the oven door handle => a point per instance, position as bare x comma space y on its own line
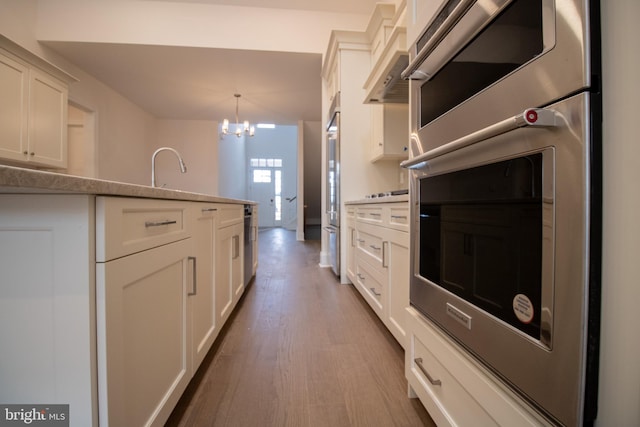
411, 72
535, 117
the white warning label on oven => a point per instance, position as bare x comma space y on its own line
523, 308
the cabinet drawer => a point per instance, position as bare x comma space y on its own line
369, 285
230, 214
127, 225
455, 389
370, 214
399, 217
370, 244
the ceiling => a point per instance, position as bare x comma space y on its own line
192, 83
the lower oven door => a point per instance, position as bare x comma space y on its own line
500, 250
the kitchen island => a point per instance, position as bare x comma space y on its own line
111, 293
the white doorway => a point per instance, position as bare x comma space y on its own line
265, 187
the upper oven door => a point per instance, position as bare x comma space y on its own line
483, 61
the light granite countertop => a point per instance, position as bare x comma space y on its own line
30, 181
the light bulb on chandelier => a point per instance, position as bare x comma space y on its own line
240, 128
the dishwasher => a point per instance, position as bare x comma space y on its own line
249, 242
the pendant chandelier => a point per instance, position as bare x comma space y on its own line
240, 127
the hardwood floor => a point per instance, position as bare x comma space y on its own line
300, 350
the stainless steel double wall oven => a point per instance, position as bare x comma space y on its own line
505, 192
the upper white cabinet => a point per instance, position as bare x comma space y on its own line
33, 108
389, 132
385, 90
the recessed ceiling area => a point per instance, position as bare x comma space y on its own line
198, 83
189, 83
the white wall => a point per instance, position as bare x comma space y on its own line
232, 172
619, 394
313, 171
197, 143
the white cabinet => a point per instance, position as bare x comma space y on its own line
379, 257
456, 390
229, 260
351, 242
108, 304
144, 274
47, 303
33, 109
202, 301
390, 132
254, 239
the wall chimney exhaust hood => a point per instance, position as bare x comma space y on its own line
384, 84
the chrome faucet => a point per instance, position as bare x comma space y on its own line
183, 167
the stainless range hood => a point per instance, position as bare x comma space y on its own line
384, 84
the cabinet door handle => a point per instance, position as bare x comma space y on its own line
385, 250
236, 246
374, 292
418, 362
195, 284
159, 223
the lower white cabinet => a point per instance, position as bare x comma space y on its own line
143, 348
454, 388
144, 277
109, 304
202, 298
229, 260
378, 260
47, 303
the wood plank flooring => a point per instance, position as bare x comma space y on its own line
300, 350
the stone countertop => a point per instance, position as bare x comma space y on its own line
18, 180
386, 199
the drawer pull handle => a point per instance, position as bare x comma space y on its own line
374, 292
236, 246
159, 223
418, 362
399, 216
209, 209
360, 240
195, 288
385, 251
360, 276
374, 214
375, 248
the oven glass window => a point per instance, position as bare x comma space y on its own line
511, 40
481, 238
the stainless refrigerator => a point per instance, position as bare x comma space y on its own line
333, 184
